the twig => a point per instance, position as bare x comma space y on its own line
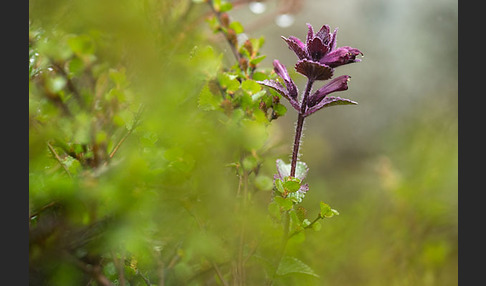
119, 268
308, 226
93, 270
69, 83
234, 48
145, 279
58, 159
49, 205
135, 123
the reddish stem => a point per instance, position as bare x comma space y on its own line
299, 127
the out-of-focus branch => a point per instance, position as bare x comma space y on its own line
59, 160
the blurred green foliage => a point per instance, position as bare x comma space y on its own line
152, 162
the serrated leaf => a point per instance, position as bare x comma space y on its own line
329, 101
251, 86
279, 185
289, 265
284, 203
327, 211
292, 185
283, 169
207, 100
237, 27
229, 82
301, 170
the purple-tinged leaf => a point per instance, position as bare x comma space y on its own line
278, 87
314, 70
327, 102
283, 169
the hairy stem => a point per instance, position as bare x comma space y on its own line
299, 126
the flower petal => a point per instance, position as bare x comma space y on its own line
341, 56
338, 84
296, 46
281, 71
316, 49
324, 34
310, 33
314, 70
333, 41
329, 101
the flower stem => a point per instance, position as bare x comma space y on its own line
299, 126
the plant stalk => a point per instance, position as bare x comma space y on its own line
299, 126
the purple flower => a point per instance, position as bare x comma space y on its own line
290, 91
337, 84
319, 55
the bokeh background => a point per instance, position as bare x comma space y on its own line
389, 165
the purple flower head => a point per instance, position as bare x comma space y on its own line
320, 53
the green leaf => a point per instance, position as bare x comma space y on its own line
258, 95
207, 100
229, 82
289, 265
263, 183
280, 109
274, 210
237, 27
279, 186
81, 44
286, 204
292, 184
327, 211
251, 86
76, 66
257, 60
225, 6
260, 76
249, 163
316, 226
257, 43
